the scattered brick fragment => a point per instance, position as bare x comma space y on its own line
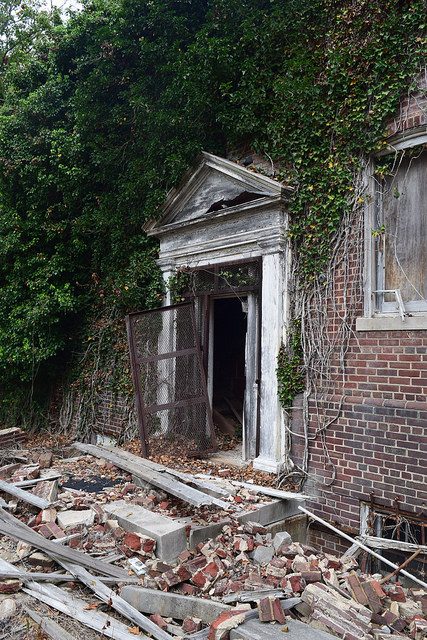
159, 621
270, 610
228, 620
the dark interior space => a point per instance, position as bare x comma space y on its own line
230, 324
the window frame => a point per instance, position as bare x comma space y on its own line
390, 314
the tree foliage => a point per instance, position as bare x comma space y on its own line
101, 114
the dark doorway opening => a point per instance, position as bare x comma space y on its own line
229, 370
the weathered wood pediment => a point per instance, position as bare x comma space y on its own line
213, 185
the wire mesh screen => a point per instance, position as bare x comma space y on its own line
238, 277
170, 386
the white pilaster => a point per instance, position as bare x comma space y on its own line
271, 427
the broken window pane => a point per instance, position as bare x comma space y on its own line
404, 215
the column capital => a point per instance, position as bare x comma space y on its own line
275, 244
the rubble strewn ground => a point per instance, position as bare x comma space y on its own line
247, 572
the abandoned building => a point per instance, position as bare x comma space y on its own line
359, 444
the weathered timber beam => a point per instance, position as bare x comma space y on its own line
385, 543
104, 624
188, 478
49, 627
270, 491
23, 484
25, 576
20, 494
111, 598
169, 484
14, 528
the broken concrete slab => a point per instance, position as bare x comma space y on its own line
71, 519
280, 538
255, 630
263, 555
270, 512
172, 605
169, 535
202, 533
296, 526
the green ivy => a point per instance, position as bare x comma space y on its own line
103, 113
290, 371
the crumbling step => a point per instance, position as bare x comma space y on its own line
271, 512
172, 605
274, 515
169, 535
255, 630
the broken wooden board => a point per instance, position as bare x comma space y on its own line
14, 528
188, 478
20, 494
79, 610
271, 491
24, 484
253, 596
160, 480
49, 627
385, 543
113, 600
25, 576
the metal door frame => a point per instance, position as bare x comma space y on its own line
141, 409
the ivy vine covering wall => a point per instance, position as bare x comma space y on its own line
104, 112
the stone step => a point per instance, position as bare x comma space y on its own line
169, 535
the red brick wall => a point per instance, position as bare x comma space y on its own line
327, 541
412, 108
378, 443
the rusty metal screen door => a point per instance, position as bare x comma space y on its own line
172, 404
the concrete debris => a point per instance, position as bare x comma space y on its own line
7, 609
263, 555
71, 519
200, 571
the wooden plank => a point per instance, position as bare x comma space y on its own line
253, 596
23, 484
162, 481
113, 600
20, 494
207, 487
26, 576
77, 609
14, 528
185, 477
385, 543
169, 476
49, 627
271, 491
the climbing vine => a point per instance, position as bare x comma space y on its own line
106, 111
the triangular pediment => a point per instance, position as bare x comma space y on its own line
213, 185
